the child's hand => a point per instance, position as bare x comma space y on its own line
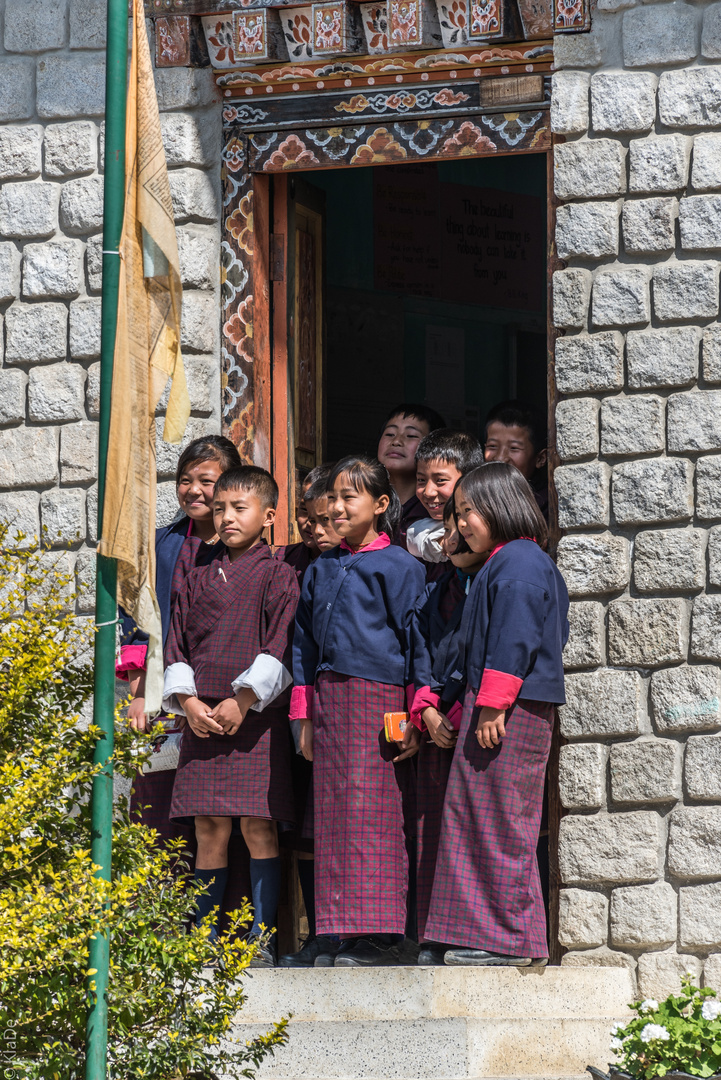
231, 712
306, 739
411, 743
440, 728
136, 714
199, 717
491, 727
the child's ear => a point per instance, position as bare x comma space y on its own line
269, 517
382, 504
542, 458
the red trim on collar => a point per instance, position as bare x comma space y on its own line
381, 541
499, 546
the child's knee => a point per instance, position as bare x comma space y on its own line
212, 830
261, 836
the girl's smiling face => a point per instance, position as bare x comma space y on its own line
355, 513
466, 560
472, 527
195, 489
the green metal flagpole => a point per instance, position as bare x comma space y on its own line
105, 589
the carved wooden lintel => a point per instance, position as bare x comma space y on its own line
180, 42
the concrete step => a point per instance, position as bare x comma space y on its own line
437, 1023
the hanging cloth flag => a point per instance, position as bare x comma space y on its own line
147, 354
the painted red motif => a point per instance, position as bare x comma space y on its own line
379, 147
172, 41
239, 329
375, 27
404, 19
485, 17
454, 22
468, 141
250, 33
328, 28
569, 14
219, 36
291, 154
448, 97
298, 30
240, 223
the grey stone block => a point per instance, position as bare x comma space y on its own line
646, 771
694, 421
708, 487
667, 357
81, 205
582, 495
590, 362
20, 152
28, 210
686, 699
711, 33
659, 35
584, 647
200, 322
577, 428
582, 918
623, 101
621, 297
700, 916
34, 25
587, 230
647, 633
56, 392
85, 328
702, 767
68, 87
582, 776
191, 138
580, 50
36, 333
686, 290
17, 88
85, 580
705, 623
91, 510
710, 353
28, 457
21, 511
694, 842
643, 916
660, 974
203, 377
78, 452
12, 396
167, 500
87, 24
706, 169
9, 271
601, 704
62, 513
167, 454
589, 169
92, 391
714, 555
94, 263
613, 848
699, 219
571, 293
194, 195
199, 258
632, 425
569, 102
690, 98
52, 269
71, 149
600, 958
185, 88
649, 225
670, 560
652, 490
712, 970
595, 564
659, 163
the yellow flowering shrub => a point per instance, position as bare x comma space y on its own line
173, 992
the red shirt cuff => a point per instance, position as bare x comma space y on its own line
301, 703
498, 689
132, 658
455, 714
422, 698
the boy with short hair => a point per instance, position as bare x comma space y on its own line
403, 430
442, 458
302, 554
227, 672
517, 433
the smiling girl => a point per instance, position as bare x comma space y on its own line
350, 667
486, 904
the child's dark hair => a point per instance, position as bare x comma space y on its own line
420, 412
457, 448
449, 514
367, 474
502, 496
521, 414
316, 482
208, 448
250, 478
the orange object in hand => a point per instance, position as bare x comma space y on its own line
395, 724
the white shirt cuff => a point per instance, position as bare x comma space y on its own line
267, 678
423, 540
179, 679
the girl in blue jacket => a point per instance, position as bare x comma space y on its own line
486, 904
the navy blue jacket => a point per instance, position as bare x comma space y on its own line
436, 643
354, 614
515, 625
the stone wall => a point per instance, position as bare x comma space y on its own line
52, 90
638, 368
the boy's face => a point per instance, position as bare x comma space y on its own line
239, 518
195, 488
301, 520
321, 524
399, 442
513, 445
435, 481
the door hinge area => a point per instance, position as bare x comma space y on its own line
277, 257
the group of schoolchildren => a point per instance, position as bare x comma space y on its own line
379, 696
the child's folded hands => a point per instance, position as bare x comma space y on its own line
200, 717
231, 712
440, 728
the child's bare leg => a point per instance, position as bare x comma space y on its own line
261, 836
211, 863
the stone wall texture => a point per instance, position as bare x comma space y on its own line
52, 90
637, 103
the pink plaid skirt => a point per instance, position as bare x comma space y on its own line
434, 766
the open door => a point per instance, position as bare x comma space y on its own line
297, 246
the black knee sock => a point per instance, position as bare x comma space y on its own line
265, 886
214, 882
306, 875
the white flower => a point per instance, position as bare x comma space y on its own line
616, 1044
649, 1005
615, 1028
654, 1031
711, 1009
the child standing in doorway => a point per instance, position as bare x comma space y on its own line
517, 433
442, 458
403, 430
351, 666
486, 905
